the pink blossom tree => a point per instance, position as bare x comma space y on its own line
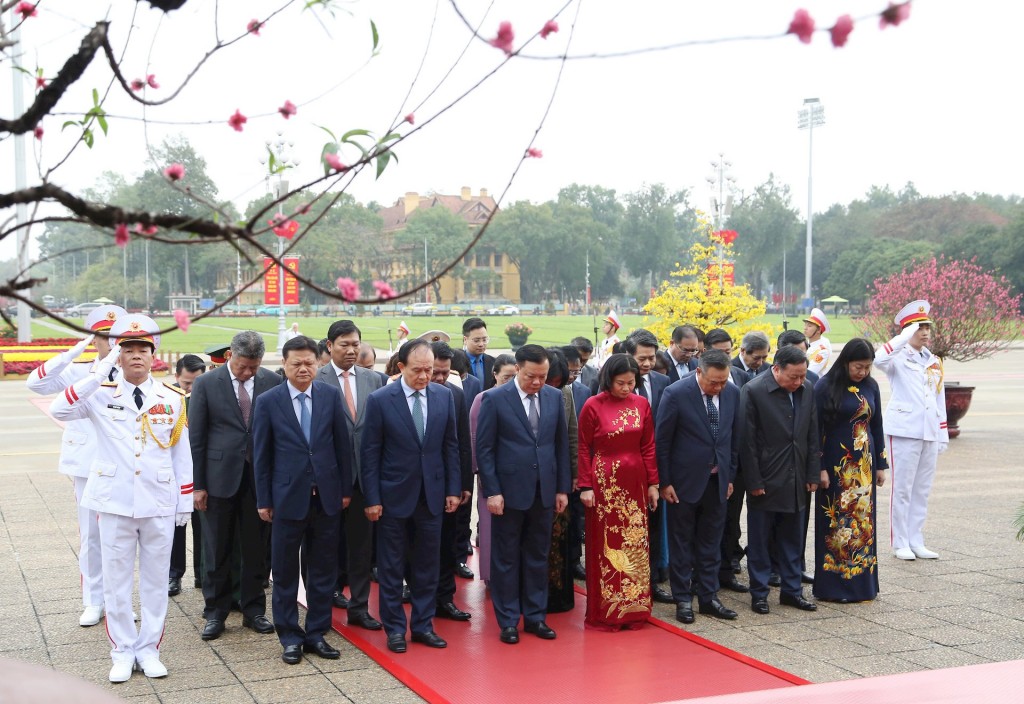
974, 312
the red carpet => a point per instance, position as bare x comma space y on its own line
654, 664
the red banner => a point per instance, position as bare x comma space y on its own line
727, 277
291, 284
271, 283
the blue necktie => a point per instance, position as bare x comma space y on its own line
417, 415
478, 367
305, 420
713, 417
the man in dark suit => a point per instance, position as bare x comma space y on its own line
577, 514
303, 468
451, 564
779, 456
754, 351
410, 472
474, 341
697, 440
220, 423
188, 368
522, 452
588, 372
355, 384
471, 386
682, 353
719, 339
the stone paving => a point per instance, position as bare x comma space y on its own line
965, 608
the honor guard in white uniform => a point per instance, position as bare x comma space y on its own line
140, 485
819, 349
77, 448
611, 338
915, 426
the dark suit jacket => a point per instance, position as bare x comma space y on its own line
488, 370
511, 460
396, 466
219, 439
287, 467
778, 454
366, 382
738, 363
673, 372
659, 382
471, 386
580, 394
739, 377
462, 430
686, 448
590, 377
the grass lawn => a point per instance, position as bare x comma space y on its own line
547, 329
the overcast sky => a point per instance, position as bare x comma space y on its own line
931, 101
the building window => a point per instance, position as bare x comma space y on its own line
483, 259
497, 261
497, 288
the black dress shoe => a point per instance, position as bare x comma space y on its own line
462, 569
340, 600
774, 580
429, 639
716, 609
807, 578
396, 643
578, 572
406, 594
759, 606
213, 628
510, 635
292, 654
364, 620
451, 611
173, 586
266, 584
661, 595
734, 585
540, 629
735, 564
684, 612
260, 624
797, 602
198, 584
321, 648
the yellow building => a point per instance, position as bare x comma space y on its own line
490, 275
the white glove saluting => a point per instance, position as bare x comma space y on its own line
76, 351
103, 367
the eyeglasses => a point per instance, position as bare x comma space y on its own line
479, 340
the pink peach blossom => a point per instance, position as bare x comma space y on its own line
237, 121
254, 27
384, 290
151, 81
550, 27
288, 109
138, 84
182, 320
40, 82
534, 153
841, 31
894, 14
349, 289
38, 132
121, 235
26, 10
146, 230
334, 161
175, 172
505, 38
802, 26
411, 118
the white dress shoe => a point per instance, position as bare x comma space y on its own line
905, 554
121, 671
924, 553
153, 668
90, 616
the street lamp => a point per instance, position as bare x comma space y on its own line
810, 116
283, 160
721, 205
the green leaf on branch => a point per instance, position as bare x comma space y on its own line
383, 159
333, 138
376, 36
329, 148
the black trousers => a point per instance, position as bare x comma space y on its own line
359, 550
463, 530
177, 570
731, 550
226, 517
695, 536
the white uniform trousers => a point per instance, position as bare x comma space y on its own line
89, 551
912, 466
122, 538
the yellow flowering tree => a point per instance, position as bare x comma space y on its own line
697, 294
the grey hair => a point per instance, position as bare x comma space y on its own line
755, 340
248, 344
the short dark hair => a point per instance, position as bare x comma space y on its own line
713, 337
190, 363
405, 350
683, 331
559, 368
298, 343
789, 355
531, 353
442, 350
640, 338
321, 347
791, 337
472, 324
714, 359
342, 327
460, 361
582, 344
615, 365
502, 361
570, 353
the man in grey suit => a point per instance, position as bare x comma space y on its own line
779, 453
355, 384
220, 431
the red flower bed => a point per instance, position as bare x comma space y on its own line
159, 365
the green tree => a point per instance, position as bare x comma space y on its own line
767, 224
444, 235
649, 228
